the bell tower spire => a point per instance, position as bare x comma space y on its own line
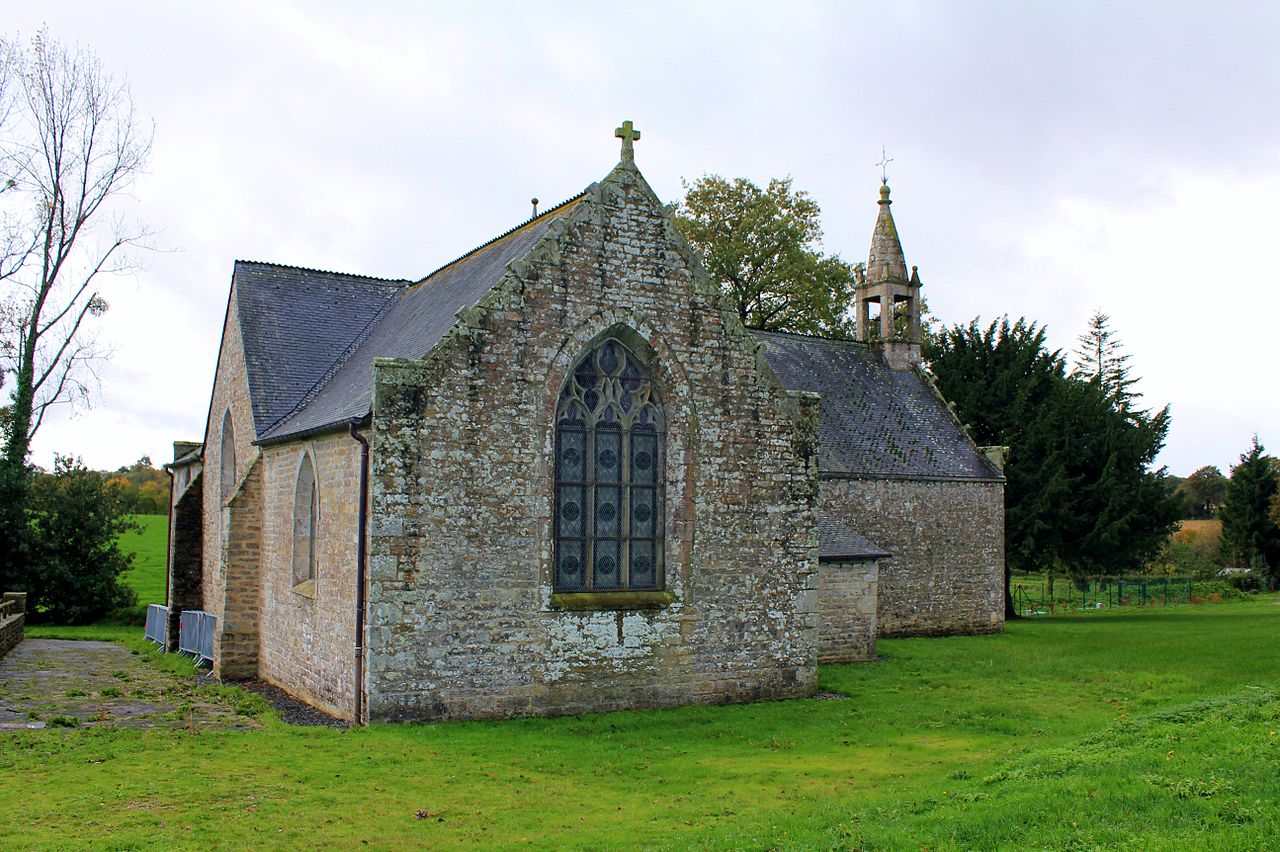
896, 332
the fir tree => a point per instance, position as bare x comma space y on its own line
1100, 357
1250, 534
1081, 494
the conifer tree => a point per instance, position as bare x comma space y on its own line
1100, 357
1081, 491
1250, 533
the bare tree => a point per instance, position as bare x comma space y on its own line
70, 144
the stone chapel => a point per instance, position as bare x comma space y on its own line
557, 475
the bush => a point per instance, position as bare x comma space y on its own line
1185, 554
74, 561
1245, 582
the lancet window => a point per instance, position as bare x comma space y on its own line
306, 514
227, 454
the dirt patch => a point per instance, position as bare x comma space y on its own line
66, 683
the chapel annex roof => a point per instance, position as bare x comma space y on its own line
414, 319
836, 542
293, 324
874, 422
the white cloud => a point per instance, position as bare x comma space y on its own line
1050, 160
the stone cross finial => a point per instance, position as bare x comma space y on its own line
628, 134
885, 160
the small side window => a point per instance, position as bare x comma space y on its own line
306, 515
228, 458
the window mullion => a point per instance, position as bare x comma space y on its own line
624, 523
589, 519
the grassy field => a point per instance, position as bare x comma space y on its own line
1151, 729
150, 547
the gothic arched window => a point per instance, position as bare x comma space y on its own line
306, 512
227, 458
608, 475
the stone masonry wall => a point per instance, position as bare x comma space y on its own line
235, 644
307, 633
186, 518
946, 574
461, 622
230, 392
847, 611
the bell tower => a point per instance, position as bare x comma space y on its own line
895, 332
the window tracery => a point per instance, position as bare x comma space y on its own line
608, 502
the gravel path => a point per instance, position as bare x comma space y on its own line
291, 709
65, 683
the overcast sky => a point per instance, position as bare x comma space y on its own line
1050, 160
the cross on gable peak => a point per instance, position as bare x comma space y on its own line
629, 135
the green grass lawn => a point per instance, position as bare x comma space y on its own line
150, 547
1151, 729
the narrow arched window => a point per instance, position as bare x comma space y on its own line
306, 513
609, 431
228, 457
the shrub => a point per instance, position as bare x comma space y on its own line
1185, 554
74, 561
62, 722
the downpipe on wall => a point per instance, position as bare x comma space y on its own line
362, 524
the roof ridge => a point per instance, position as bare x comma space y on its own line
272, 263
504, 234
341, 360
841, 340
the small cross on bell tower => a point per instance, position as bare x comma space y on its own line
896, 332
629, 136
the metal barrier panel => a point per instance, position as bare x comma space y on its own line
187, 631
196, 630
207, 626
157, 619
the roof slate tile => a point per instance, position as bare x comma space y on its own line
874, 421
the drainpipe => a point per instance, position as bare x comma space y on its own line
361, 527
168, 561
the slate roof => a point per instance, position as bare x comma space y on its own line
294, 323
836, 541
874, 422
414, 320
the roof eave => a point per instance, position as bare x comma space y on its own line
313, 431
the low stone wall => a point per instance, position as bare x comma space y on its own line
13, 620
847, 598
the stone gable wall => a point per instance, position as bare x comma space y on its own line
847, 610
461, 622
946, 575
307, 635
230, 390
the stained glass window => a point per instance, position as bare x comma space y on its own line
608, 500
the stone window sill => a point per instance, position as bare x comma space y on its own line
610, 601
306, 590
